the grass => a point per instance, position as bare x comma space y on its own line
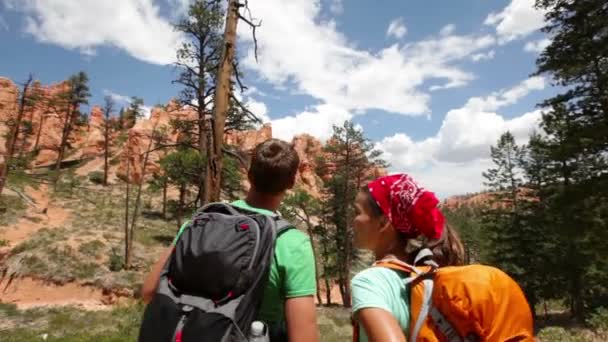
70, 324
11, 209
91, 248
120, 324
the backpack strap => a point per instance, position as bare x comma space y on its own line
427, 308
219, 206
282, 225
416, 274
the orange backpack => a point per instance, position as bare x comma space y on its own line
462, 303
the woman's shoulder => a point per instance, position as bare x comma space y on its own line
379, 275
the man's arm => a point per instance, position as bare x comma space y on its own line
301, 317
151, 281
380, 325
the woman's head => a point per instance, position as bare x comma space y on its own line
393, 210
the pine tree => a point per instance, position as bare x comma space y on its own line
198, 59
107, 112
76, 95
513, 238
351, 156
576, 141
182, 169
133, 112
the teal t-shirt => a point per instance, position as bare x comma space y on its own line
382, 288
292, 274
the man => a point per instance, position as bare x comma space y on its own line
288, 304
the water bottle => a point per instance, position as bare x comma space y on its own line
258, 332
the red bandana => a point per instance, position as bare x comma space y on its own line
411, 209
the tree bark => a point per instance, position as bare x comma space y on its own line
138, 198
180, 204
106, 144
327, 290
127, 251
221, 99
165, 199
67, 128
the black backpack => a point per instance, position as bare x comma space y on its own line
212, 285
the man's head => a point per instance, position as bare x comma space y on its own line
273, 168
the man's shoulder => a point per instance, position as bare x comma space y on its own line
292, 236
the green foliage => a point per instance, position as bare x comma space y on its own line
574, 150
183, 167
515, 240
115, 262
91, 248
96, 177
468, 223
231, 179
598, 320
71, 324
351, 156
11, 208
133, 112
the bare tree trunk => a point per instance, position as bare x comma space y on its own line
221, 99
203, 148
14, 135
39, 132
135, 213
127, 251
106, 148
309, 230
328, 290
314, 254
67, 128
180, 205
203, 141
165, 199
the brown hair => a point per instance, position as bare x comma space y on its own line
274, 165
447, 250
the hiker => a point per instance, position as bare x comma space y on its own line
287, 304
400, 223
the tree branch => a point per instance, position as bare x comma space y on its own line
235, 66
251, 24
236, 155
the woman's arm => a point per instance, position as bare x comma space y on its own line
380, 325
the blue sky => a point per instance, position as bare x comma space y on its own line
433, 83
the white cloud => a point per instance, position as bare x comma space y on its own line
452, 160
336, 7
126, 100
537, 46
258, 108
519, 19
448, 179
483, 56
316, 121
322, 62
447, 30
134, 26
396, 28
123, 99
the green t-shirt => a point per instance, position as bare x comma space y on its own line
292, 274
382, 288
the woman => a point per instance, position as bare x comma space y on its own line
392, 212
